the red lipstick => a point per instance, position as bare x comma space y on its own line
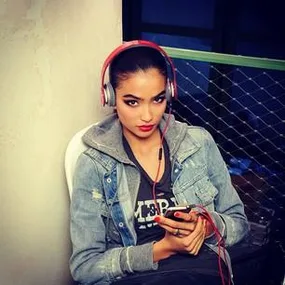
146, 128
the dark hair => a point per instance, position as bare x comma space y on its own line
133, 60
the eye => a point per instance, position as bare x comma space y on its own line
159, 99
131, 103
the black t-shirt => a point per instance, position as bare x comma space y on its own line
147, 230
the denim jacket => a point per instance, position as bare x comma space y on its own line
106, 185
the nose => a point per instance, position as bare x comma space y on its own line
146, 114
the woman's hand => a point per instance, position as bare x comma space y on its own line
182, 228
189, 240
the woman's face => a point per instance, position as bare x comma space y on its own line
141, 102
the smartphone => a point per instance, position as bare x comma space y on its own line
171, 210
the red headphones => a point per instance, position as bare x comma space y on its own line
107, 91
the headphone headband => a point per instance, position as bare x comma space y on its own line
105, 94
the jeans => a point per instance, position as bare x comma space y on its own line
181, 269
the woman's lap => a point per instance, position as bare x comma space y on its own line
182, 268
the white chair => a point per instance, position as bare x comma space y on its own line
74, 148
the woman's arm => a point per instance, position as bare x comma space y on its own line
228, 211
91, 261
229, 215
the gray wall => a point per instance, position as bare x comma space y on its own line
51, 52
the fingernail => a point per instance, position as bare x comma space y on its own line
156, 219
176, 214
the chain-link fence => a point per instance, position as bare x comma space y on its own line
240, 101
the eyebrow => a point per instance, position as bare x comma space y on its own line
131, 96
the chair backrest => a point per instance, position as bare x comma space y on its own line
74, 148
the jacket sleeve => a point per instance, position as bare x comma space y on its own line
91, 261
229, 216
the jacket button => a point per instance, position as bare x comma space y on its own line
175, 170
121, 224
109, 180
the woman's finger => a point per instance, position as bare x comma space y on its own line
196, 234
188, 217
199, 245
197, 242
180, 232
196, 249
162, 221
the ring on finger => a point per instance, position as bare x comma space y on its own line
177, 232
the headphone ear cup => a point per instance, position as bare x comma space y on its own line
169, 91
110, 97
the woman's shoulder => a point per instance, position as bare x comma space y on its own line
194, 131
104, 142
198, 131
197, 135
105, 134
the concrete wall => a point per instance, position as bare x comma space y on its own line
51, 52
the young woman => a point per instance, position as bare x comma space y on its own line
140, 161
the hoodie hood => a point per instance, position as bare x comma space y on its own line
106, 136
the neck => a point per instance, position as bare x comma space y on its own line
142, 145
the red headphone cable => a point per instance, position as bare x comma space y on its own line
159, 160
221, 244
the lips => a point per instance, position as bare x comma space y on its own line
146, 128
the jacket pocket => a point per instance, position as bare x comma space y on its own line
205, 193
112, 234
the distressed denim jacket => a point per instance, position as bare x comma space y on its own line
106, 184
